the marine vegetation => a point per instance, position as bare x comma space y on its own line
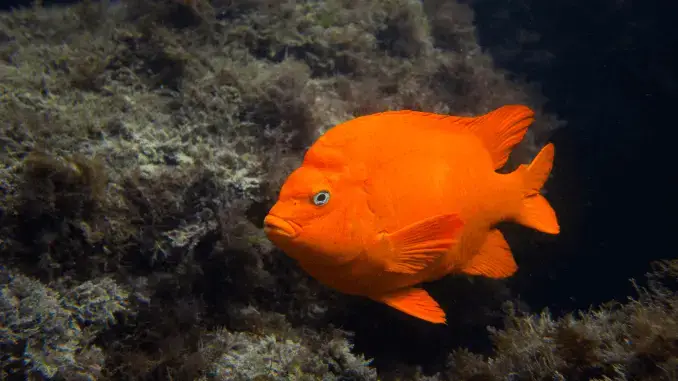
143, 143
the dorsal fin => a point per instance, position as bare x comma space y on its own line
501, 130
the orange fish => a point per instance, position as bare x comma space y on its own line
384, 202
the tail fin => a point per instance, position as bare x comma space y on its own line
536, 212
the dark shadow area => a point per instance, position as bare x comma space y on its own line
611, 73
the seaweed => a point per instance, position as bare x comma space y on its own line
142, 143
617, 341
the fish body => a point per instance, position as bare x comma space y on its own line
384, 202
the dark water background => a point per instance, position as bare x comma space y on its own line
614, 77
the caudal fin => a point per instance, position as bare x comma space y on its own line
536, 212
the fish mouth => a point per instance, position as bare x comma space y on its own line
274, 225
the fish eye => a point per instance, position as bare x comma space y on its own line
321, 198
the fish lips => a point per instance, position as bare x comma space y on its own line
276, 226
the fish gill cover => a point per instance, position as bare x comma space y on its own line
143, 142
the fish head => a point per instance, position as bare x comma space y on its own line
308, 221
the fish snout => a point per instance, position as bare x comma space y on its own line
274, 225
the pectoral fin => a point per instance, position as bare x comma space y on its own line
414, 247
416, 302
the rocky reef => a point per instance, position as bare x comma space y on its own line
143, 141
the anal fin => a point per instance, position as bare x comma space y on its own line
416, 302
494, 259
